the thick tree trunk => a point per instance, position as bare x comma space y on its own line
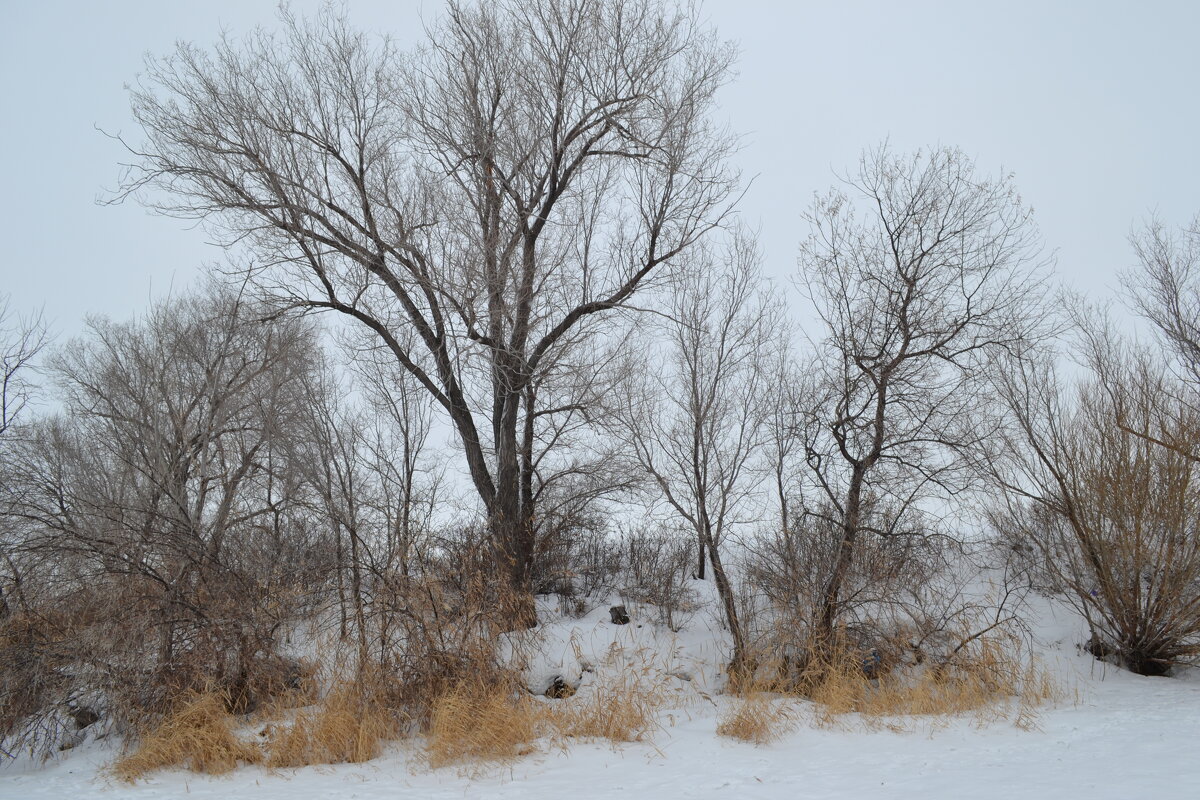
510, 523
514, 553
831, 597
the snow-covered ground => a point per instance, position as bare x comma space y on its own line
1116, 735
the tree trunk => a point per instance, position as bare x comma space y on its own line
360, 617
340, 558
830, 601
510, 524
737, 662
514, 551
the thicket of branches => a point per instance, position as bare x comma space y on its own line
523, 229
1100, 485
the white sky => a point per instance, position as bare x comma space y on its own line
1093, 106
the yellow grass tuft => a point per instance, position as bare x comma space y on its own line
197, 735
985, 678
482, 721
757, 718
349, 726
477, 721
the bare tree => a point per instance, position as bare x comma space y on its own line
375, 487
493, 194
1166, 290
923, 273
21, 339
784, 445
167, 486
697, 424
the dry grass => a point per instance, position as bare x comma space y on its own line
349, 726
986, 678
282, 704
623, 709
196, 735
478, 721
756, 717
489, 720
492, 718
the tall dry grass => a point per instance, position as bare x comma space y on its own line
989, 677
985, 678
623, 708
477, 721
350, 725
197, 735
488, 720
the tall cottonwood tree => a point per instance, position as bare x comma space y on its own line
924, 275
493, 193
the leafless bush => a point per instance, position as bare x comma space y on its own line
790, 570
907, 600
658, 564
1105, 492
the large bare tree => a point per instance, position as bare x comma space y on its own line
493, 193
923, 274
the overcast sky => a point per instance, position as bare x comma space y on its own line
1092, 105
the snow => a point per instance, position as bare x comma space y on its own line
1117, 735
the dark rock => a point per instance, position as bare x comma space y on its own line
559, 689
84, 717
618, 615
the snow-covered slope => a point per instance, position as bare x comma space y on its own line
1116, 735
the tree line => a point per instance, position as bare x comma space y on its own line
521, 238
